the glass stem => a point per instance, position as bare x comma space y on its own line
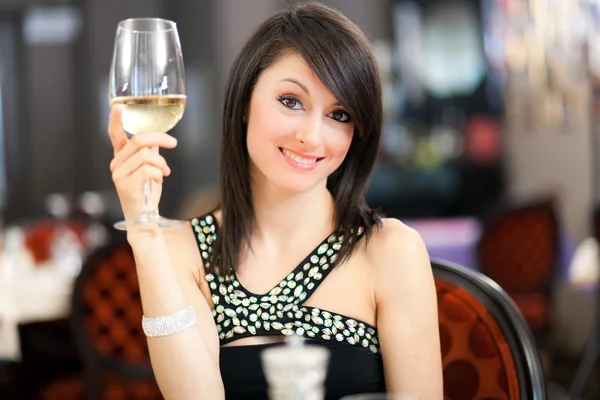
148, 207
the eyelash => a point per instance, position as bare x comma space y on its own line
286, 98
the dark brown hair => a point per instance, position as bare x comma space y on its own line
340, 55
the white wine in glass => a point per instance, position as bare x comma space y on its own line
147, 81
142, 114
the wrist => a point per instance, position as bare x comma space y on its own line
146, 235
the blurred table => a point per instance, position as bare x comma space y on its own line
42, 293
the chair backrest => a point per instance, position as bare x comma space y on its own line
519, 249
519, 246
106, 320
488, 351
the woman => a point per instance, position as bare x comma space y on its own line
293, 247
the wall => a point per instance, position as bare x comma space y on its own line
560, 162
554, 162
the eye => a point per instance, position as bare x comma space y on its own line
340, 116
291, 102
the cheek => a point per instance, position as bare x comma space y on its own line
260, 130
338, 144
266, 125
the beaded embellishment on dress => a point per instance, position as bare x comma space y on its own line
238, 313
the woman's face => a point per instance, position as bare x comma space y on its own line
297, 133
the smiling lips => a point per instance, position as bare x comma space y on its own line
299, 160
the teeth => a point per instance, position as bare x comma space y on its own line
298, 159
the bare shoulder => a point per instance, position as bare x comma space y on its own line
393, 230
406, 301
395, 243
218, 216
180, 236
397, 255
184, 251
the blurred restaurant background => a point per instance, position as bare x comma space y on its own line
490, 150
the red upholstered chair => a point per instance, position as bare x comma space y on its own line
106, 322
488, 351
519, 249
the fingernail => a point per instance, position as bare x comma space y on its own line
173, 140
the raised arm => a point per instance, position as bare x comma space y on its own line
186, 364
407, 318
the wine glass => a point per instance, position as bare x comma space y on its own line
147, 80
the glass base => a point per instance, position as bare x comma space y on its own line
150, 219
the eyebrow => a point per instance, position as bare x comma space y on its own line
304, 88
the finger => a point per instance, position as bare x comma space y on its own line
147, 141
144, 156
141, 174
146, 171
117, 134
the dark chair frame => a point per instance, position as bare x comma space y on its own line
95, 363
511, 322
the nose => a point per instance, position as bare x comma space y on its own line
310, 131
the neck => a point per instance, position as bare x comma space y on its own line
281, 216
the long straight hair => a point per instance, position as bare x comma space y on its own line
340, 55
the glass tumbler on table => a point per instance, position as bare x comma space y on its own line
380, 396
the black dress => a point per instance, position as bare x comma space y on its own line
355, 364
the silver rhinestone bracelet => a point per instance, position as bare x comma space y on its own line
169, 324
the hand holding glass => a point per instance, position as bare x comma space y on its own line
147, 80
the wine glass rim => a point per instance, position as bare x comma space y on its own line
170, 25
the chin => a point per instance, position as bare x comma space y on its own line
294, 184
